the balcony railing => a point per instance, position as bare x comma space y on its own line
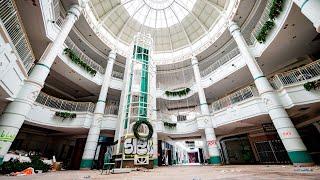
303, 73
112, 107
263, 19
118, 75
83, 56
220, 61
11, 19
235, 97
64, 105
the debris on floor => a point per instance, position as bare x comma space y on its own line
26, 172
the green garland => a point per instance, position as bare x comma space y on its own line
136, 127
66, 114
179, 93
170, 125
74, 58
313, 85
275, 10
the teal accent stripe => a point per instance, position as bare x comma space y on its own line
86, 163
1, 160
203, 104
40, 64
215, 160
300, 157
304, 3
155, 162
258, 77
101, 101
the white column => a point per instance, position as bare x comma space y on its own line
94, 132
209, 131
15, 113
153, 89
285, 128
122, 106
310, 8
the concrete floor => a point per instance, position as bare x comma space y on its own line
190, 173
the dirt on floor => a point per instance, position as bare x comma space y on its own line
189, 173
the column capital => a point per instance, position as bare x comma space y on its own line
194, 60
112, 55
233, 27
75, 10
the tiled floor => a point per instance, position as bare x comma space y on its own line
190, 173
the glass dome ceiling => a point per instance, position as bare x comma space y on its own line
178, 27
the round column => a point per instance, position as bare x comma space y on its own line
16, 111
94, 132
209, 131
154, 114
122, 106
285, 128
310, 8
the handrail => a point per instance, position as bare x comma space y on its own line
220, 61
118, 75
83, 56
11, 19
303, 73
64, 105
238, 96
112, 107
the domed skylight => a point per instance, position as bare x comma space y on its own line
179, 28
159, 13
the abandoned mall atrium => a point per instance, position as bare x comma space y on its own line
159, 89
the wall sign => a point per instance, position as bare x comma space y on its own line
133, 147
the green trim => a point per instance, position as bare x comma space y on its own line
215, 160
40, 64
304, 3
86, 163
300, 157
101, 101
155, 162
258, 77
1, 160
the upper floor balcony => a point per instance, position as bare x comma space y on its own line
12, 23
47, 108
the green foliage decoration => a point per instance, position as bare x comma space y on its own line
170, 125
275, 10
75, 58
313, 85
179, 93
16, 166
266, 28
66, 114
136, 127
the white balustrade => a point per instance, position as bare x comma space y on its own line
219, 61
12, 21
303, 73
64, 105
118, 75
112, 107
234, 98
251, 39
83, 56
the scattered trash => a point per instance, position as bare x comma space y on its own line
86, 177
304, 170
26, 172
